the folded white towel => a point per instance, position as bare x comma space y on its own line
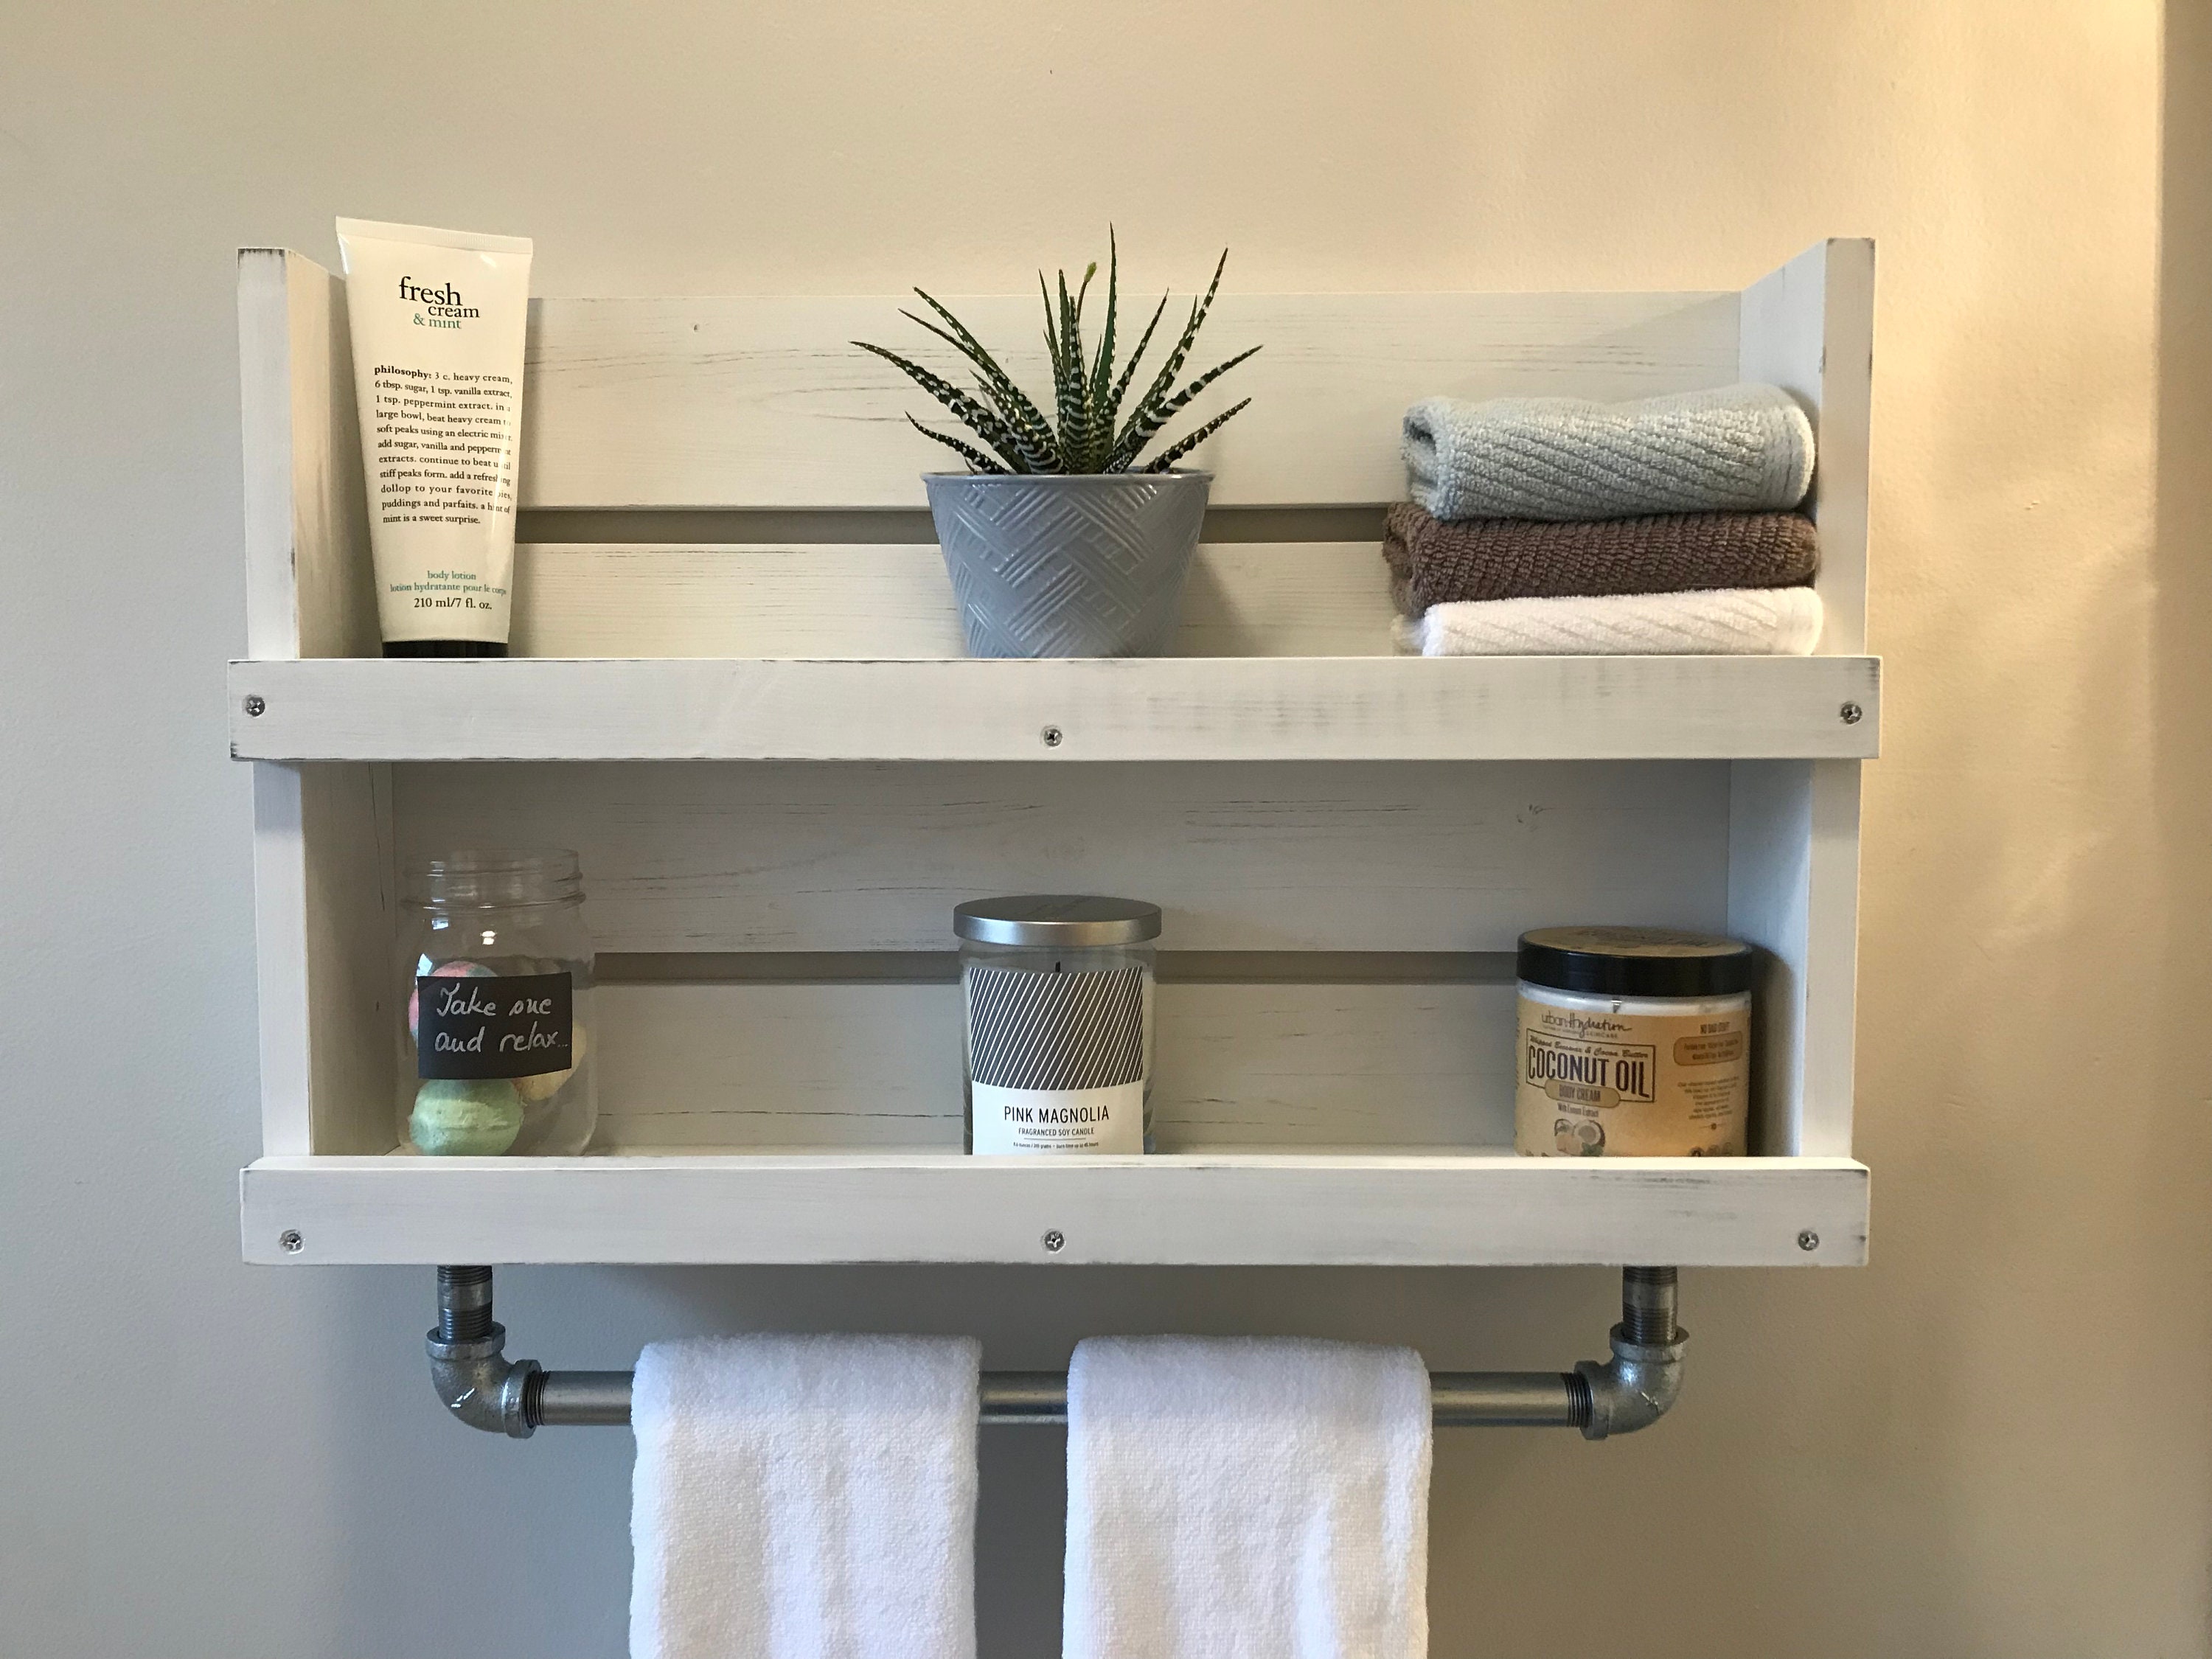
1237, 1499
1735, 448
805, 1498
1714, 621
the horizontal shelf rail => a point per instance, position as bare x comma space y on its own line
1225, 1207
943, 968
1156, 708
486, 1390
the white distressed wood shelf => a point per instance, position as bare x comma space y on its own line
1166, 708
1218, 1209
725, 566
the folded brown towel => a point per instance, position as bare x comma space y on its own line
1435, 563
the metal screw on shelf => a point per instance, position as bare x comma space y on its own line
290, 1242
1809, 1240
254, 705
1054, 1240
1851, 713
1051, 737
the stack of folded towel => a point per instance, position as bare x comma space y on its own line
1552, 527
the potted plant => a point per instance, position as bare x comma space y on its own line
1063, 540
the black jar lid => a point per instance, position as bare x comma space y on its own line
1635, 962
1057, 920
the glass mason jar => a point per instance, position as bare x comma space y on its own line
1056, 997
496, 1046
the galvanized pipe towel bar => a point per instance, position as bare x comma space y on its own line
1634, 1388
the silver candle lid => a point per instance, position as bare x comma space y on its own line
1061, 920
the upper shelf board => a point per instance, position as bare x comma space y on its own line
1234, 708
1206, 1209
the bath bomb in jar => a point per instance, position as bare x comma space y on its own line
546, 1085
443, 971
465, 1117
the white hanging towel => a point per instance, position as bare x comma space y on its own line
1246, 1498
805, 1498
1711, 622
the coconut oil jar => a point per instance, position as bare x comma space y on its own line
1634, 1042
496, 1047
1056, 997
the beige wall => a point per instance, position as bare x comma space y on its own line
1992, 1442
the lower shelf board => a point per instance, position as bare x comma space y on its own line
1229, 1208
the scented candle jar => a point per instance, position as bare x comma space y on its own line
496, 1035
1056, 1000
1634, 1042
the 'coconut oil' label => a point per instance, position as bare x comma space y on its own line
1599, 1083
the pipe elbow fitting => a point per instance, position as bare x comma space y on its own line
480, 1386
1633, 1389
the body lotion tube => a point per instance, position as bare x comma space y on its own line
438, 319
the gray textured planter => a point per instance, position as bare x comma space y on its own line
1088, 566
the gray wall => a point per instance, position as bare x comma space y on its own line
1992, 1442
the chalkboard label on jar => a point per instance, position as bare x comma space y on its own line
521, 1026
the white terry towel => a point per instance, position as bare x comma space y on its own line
1713, 622
805, 1498
1733, 448
1246, 1498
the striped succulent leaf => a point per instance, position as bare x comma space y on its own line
1098, 413
1079, 429
1041, 448
1129, 370
975, 458
1156, 393
1145, 426
984, 422
1088, 433
1168, 457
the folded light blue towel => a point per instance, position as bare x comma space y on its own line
1736, 448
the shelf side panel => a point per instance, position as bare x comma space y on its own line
1809, 328
323, 918
309, 588
1197, 1210
264, 409
352, 910
280, 928
1793, 890
765, 403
